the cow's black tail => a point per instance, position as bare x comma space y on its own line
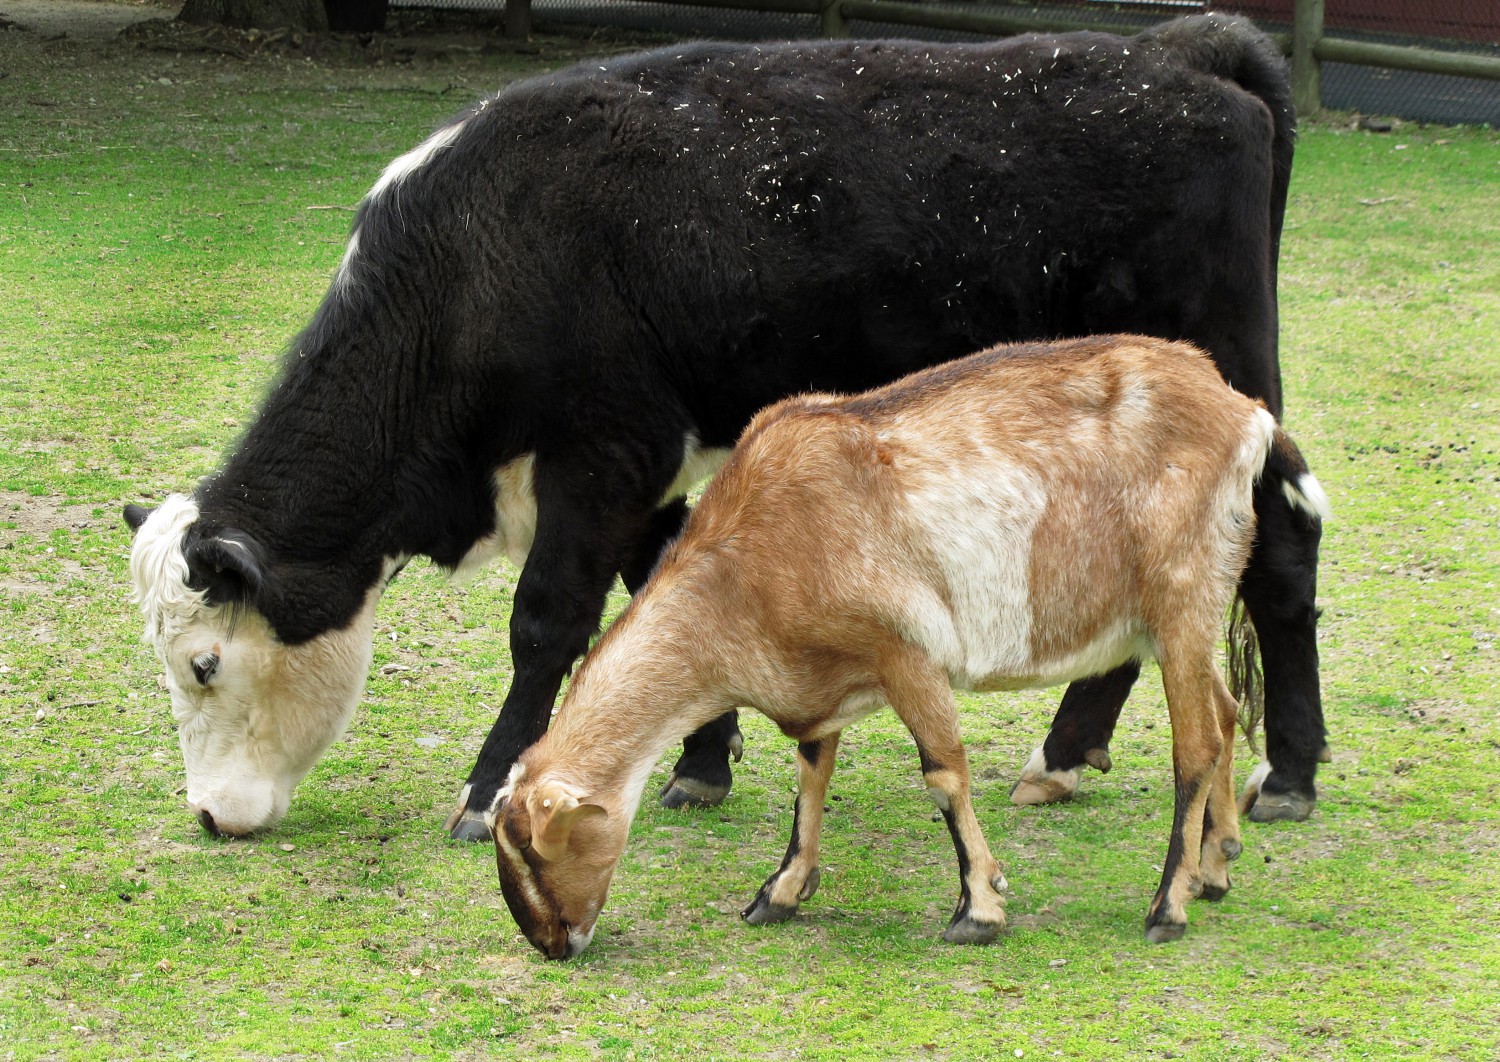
1285, 473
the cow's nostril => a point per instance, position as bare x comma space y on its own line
209, 824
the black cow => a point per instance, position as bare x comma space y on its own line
563, 307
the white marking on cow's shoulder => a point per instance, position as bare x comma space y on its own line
698, 464
404, 166
515, 519
515, 504
159, 571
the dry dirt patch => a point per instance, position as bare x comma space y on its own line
82, 19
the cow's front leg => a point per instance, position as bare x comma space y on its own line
701, 777
1279, 588
558, 603
1080, 735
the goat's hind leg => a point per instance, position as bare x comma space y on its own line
797, 877
1197, 742
1221, 823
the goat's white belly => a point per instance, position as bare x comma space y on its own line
515, 504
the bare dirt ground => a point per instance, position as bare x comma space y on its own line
124, 36
83, 19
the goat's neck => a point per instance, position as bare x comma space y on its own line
646, 685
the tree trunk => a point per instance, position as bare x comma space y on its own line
351, 16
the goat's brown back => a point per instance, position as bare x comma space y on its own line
1023, 514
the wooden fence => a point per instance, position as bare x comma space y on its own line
1307, 45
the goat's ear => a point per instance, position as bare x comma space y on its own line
136, 515
229, 565
555, 810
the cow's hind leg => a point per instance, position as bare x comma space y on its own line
1080, 734
1279, 587
1197, 744
1221, 823
701, 777
797, 877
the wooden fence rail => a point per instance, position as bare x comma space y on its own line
1306, 44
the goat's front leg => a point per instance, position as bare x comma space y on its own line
797, 878
923, 700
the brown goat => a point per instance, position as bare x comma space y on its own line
1023, 517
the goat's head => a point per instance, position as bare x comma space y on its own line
556, 848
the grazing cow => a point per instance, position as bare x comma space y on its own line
560, 310
1023, 517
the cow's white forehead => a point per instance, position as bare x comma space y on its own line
159, 572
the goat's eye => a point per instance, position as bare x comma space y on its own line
205, 666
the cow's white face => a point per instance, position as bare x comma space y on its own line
253, 714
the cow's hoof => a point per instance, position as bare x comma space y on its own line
966, 930
762, 912
1263, 806
1038, 785
680, 792
1163, 932
469, 827
1281, 807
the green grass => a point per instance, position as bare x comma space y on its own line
159, 248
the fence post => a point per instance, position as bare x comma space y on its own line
832, 17
518, 19
1307, 31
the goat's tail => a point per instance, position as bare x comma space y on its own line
1286, 469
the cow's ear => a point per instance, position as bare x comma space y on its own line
136, 515
230, 566
555, 810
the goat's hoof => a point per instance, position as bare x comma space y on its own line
810, 886
762, 912
468, 826
1281, 807
1162, 932
966, 930
680, 792
1099, 760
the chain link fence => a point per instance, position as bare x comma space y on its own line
1463, 26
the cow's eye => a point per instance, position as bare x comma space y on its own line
205, 666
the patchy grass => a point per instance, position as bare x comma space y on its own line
162, 242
